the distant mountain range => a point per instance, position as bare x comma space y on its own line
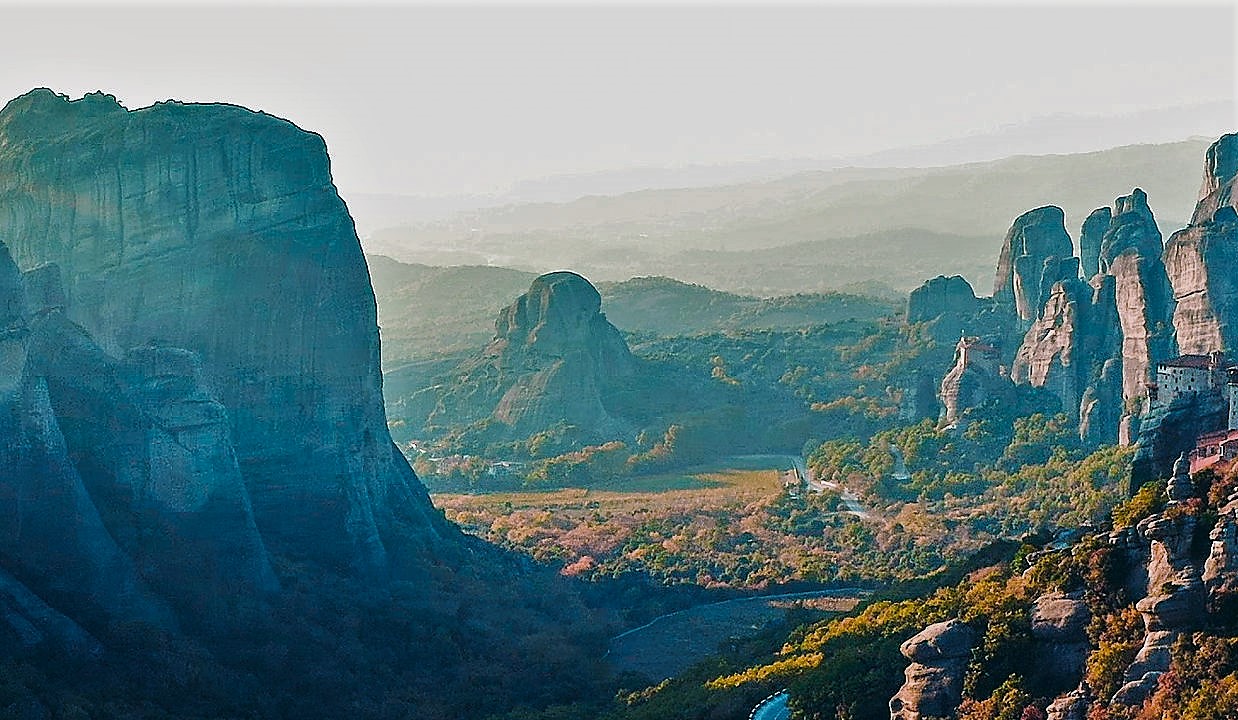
1045, 135
809, 232
427, 313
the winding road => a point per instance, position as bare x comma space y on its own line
671, 643
773, 707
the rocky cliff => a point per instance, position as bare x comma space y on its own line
977, 378
1095, 345
1036, 253
1131, 252
1201, 257
192, 362
1171, 568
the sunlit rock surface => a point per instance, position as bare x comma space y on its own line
1201, 259
1036, 253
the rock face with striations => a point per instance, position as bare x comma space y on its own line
1090, 237
1096, 344
207, 350
1063, 350
53, 534
1201, 259
1131, 252
1036, 253
555, 360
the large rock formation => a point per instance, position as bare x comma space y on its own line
1131, 252
26, 623
952, 296
977, 378
1095, 345
1036, 253
53, 535
189, 370
1201, 258
1063, 350
1175, 593
555, 361
934, 679
1220, 179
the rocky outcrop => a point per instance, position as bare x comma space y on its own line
52, 535
1095, 344
1090, 237
942, 296
976, 378
1101, 411
1220, 177
555, 361
27, 623
934, 680
1167, 429
1200, 259
1059, 625
1071, 706
217, 231
1220, 575
1175, 599
1036, 253
1131, 252
1064, 348
919, 400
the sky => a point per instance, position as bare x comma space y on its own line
443, 100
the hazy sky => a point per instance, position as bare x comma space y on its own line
441, 100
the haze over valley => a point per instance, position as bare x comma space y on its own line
417, 362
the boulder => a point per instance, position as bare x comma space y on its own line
934, 680
1059, 624
1060, 618
1071, 706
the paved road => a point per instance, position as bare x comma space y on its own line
833, 592
671, 643
773, 707
851, 501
